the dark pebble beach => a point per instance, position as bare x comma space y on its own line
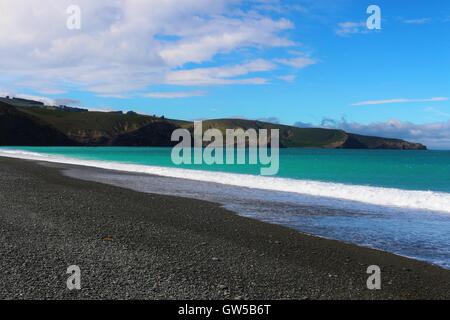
132, 245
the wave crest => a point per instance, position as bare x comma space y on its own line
386, 197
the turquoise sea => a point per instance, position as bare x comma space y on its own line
397, 201
409, 170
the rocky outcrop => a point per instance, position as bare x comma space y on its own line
156, 134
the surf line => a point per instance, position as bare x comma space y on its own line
210, 147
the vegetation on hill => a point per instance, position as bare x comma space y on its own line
32, 124
21, 129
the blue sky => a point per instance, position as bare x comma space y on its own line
305, 62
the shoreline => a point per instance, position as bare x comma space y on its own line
287, 209
190, 249
230, 198
338, 194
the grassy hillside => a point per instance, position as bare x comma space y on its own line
50, 126
21, 129
92, 128
289, 136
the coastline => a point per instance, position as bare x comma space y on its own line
334, 193
132, 245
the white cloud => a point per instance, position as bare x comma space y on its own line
67, 102
279, 6
349, 28
298, 62
224, 36
175, 95
127, 45
102, 109
396, 101
417, 21
288, 78
221, 75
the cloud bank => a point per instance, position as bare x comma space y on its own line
175, 94
348, 28
128, 45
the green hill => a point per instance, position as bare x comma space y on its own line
21, 129
25, 123
289, 136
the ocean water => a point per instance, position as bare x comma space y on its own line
408, 170
396, 201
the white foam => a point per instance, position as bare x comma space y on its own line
387, 197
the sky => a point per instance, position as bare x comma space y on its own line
303, 62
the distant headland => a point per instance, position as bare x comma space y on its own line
25, 122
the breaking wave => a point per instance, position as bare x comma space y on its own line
378, 196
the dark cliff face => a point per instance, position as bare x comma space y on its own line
157, 134
355, 141
19, 129
29, 126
